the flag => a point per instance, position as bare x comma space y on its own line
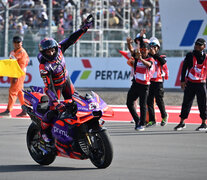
10, 68
126, 54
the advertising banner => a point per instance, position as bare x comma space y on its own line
97, 73
183, 21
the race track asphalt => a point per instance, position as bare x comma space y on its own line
158, 153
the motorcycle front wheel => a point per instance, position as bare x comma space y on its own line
38, 153
102, 155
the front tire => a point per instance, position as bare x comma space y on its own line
102, 156
33, 145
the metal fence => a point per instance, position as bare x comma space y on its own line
34, 24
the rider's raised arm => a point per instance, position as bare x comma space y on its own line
74, 37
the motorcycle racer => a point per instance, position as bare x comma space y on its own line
53, 71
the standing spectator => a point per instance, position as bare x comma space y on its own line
113, 20
19, 30
28, 4
40, 7
143, 65
1, 23
43, 30
60, 32
156, 89
16, 84
138, 19
194, 83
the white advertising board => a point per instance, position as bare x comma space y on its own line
97, 73
183, 21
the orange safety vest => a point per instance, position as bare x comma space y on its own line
21, 56
142, 73
197, 73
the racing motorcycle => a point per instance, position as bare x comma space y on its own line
78, 135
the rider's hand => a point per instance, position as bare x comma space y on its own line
88, 23
59, 106
71, 108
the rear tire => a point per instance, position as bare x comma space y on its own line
33, 145
102, 157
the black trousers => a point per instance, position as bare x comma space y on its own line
192, 90
138, 91
156, 91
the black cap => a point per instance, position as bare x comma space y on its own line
17, 39
200, 41
145, 45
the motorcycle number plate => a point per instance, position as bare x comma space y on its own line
93, 106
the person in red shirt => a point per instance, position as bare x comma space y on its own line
156, 90
143, 65
16, 84
193, 82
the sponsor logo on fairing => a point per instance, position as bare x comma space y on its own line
60, 131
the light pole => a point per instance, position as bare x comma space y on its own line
50, 18
153, 5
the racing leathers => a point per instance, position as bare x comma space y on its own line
54, 73
55, 76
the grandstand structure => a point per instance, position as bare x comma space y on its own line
43, 18
102, 40
106, 40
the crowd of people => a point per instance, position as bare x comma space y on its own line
33, 15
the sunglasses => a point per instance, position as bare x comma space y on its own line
198, 44
143, 49
153, 46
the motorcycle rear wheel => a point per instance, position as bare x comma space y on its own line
33, 144
102, 157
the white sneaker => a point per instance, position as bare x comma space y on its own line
139, 128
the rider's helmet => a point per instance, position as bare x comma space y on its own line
48, 43
154, 42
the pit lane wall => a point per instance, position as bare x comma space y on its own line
97, 73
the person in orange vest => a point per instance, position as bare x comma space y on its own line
16, 84
193, 82
142, 64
